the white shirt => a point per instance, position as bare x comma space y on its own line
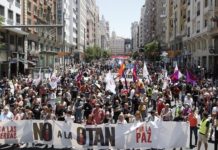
215, 110
132, 93
188, 101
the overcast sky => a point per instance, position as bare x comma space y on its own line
120, 14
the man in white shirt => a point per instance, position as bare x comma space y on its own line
188, 100
6, 114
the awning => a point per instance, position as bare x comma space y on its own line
17, 31
62, 54
27, 61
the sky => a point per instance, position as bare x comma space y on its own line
120, 14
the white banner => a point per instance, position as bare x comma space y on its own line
106, 136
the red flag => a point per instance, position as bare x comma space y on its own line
79, 76
121, 70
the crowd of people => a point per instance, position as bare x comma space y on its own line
78, 94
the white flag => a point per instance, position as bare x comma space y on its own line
37, 81
110, 84
145, 71
176, 68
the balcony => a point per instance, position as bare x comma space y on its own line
10, 21
213, 29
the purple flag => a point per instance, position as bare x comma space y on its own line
190, 78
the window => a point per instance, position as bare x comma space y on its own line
10, 14
18, 18
188, 32
11, 39
205, 3
19, 41
205, 23
2, 10
188, 18
29, 6
18, 1
198, 8
198, 26
28, 21
216, 3
35, 10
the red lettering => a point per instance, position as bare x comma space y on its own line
138, 136
15, 129
143, 139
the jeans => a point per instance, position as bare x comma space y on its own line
195, 130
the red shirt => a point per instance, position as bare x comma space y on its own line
98, 115
192, 120
160, 106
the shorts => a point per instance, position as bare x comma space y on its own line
202, 138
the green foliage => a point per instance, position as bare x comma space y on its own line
95, 52
152, 46
135, 55
151, 51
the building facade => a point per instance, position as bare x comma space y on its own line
12, 53
142, 29
151, 24
41, 45
117, 45
91, 22
192, 31
135, 36
103, 34
81, 28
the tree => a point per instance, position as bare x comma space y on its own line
151, 50
135, 55
95, 52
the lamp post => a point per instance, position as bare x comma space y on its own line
9, 67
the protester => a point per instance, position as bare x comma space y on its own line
203, 131
86, 96
193, 122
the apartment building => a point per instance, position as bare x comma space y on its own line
176, 27
142, 27
103, 34
91, 22
135, 36
41, 45
81, 29
12, 52
192, 32
201, 40
151, 24
67, 36
117, 45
